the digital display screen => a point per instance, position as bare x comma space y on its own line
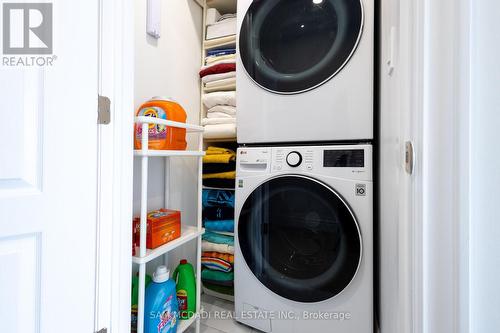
354, 158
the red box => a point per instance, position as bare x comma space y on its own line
163, 226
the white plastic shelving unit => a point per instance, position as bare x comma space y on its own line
188, 233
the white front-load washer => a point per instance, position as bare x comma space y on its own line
305, 70
304, 238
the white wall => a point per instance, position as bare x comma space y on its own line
169, 67
485, 168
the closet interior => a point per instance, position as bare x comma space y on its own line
189, 61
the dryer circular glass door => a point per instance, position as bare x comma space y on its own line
291, 46
299, 238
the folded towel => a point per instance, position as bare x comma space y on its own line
208, 274
216, 121
225, 17
216, 77
228, 184
212, 150
225, 225
221, 85
220, 175
217, 198
219, 98
218, 213
218, 167
219, 115
213, 247
213, 59
228, 284
219, 67
226, 26
224, 290
216, 238
222, 110
221, 51
220, 131
216, 264
224, 256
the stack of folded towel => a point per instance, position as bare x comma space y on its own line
219, 168
219, 71
219, 78
218, 249
220, 122
218, 210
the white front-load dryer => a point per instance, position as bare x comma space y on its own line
304, 239
305, 70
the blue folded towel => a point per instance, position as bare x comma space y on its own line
217, 52
224, 225
213, 237
218, 198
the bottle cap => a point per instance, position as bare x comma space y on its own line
184, 261
161, 275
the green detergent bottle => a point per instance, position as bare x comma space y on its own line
186, 289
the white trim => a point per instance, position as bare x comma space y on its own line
116, 167
444, 159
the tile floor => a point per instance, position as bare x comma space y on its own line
216, 312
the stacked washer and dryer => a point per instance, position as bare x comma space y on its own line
304, 189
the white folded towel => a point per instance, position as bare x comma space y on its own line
215, 77
214, 247
210, 60
219, 98
220, 131
223, 84
217, 121
226, 109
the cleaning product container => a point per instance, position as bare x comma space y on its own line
161, 308
162, 137
186, 289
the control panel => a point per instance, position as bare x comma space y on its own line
350, 161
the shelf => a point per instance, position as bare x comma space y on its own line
170, 123
218, 188
188, 233
168, 153
184, 324
219, 42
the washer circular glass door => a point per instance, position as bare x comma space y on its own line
291, 46
299, 238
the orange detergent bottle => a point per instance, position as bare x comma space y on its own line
162, 137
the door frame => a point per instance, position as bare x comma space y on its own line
438, 38
114, 231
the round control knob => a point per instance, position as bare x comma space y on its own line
294, 159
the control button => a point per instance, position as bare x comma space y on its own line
309, 167
294, 159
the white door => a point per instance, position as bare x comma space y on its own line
48, 170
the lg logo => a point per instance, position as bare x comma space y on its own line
27, 28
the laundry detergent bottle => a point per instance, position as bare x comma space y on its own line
161, 309
186, 289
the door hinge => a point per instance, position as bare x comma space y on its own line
103, 111
409, 157
102, 330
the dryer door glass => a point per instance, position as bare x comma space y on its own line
299, 238
290, 46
